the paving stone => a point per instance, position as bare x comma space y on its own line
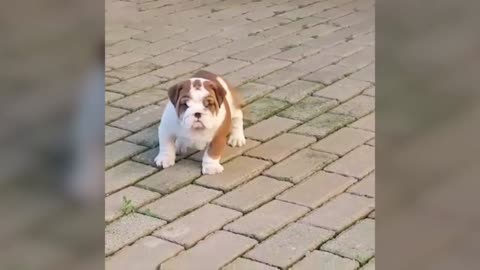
300, 165
256, 71
254, 91
206, 44
147, 253
113, 134
369, 266
111, 96
125, 59
161, 47
371, 142
226, 66
308, 108
317, 189
119, 233
357, 163
262, 108
136, 84
281, 147
120, 151
323, 125
289, 245
177, 69
230, 152
158, 33
173, 178
244, 264
369, 92
344, 49
256, 54
147, 137
365, 187
330, 74
132, 70
141, 99
236, 172
119, 34
147, 157
115, 202
220, 249
254, 193
372, 215
360, 59
181, 202
295, 91
140, 119
328, 261
281, 77
340, 212
358, 242
125, 174
366, 123
343, 89
171, 57
357, 107
266, 220
343, 141
193, 227
112, 113
366, 74
269, 128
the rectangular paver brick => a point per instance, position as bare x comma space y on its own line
181, 201
173, 178
369, 92
281, 77
340, 212
171, 57
226, 66
323, 125
191, 228
160, 47
177, 69
360, 59
244, 264
206, 44
136, 84
343, 89
367, 122
236, 172
369, 266
120, 151
132, 70
262, 109
317, 189
281, 147
343, 141
145, 254
141, 99
147, 137
295, 91
125, 59
300, 165
112, 96
330, 74
140, 119
220, 249
253, 91
269, 128
289, 245
366, 74
358, 242
113, 134
365, 187
112, 113
124, 46
137, 196
325, 260
256, 71
125, 174
357, 163
357, 107
308, 108
267, 219
230, 152
119, 233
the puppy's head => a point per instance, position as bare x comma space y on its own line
197, 102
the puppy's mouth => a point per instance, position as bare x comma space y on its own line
198, 125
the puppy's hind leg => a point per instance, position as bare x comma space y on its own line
237, 137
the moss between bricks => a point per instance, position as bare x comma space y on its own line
263, 108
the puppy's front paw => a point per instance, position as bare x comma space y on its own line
237, 140
212, 168
164, 161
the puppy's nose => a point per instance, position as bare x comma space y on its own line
198, 115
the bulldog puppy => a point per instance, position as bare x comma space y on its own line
204, 112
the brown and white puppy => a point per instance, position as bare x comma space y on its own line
204, 112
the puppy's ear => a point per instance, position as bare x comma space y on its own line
220, 93
174, 93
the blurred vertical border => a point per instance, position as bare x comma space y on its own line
428, 134
51, 136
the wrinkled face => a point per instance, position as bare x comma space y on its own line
197, 102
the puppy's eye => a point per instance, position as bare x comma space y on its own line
184, 103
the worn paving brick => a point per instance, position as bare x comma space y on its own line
358, 242
323, 125
295, 91
300, 165
141, 99
344, 49
343, 89
360, 59
366, 123
262, 109
236, 172
120, 151
160, 47
254, 193
125, 59
158, 33
254, 91
191, 228
146, 253
206, 44
289, 245
369, 266
317, 189
256, 71
125, 174
371, 142
147, 157
220, 249
112, 113
171, 57
244, 264
140, 119
308, 108
281, 77
281, 147
266, 220
340, 212
136, 84
191, 197
365, 187
343, 141
177, 69
357, 107
366, 74
119, 233
256, 54
138, 197
132, 70
269, 128
230, 152
358, 163
173, 178
370, 91
330, 74
111, 96
146, 137
327, 261
226, 66
113, 134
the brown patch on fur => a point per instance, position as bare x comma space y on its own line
216, 94
179, 94
219, 142
197, 84
237, 98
